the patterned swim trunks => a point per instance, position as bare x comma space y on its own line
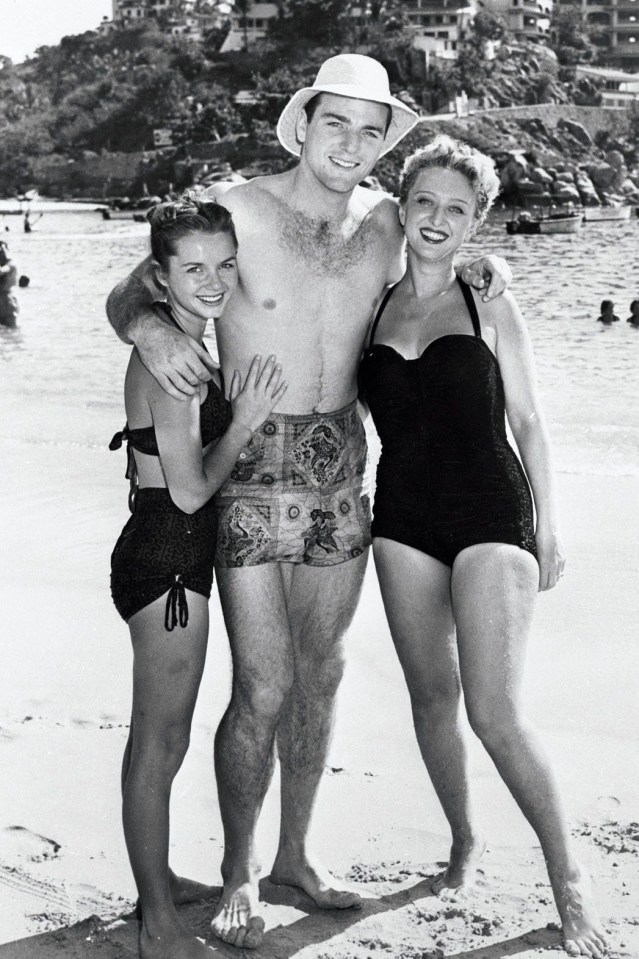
298, 493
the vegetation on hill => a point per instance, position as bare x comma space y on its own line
108, 93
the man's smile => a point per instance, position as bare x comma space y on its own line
344, 164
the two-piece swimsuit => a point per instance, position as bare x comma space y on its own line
162, 548
447, 477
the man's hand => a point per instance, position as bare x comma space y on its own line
488, 273
178, 363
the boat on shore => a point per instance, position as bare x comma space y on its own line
596, 214
545, 224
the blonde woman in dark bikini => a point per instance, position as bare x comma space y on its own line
460, 552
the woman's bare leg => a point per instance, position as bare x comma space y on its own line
493, 589
183, 890
167, 669
416, 593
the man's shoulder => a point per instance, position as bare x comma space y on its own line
379, 211
238, 197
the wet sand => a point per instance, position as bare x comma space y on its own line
65, 885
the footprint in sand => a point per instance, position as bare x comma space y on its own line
19, 845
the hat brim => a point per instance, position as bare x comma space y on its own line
403, 119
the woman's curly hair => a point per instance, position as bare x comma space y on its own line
450, 154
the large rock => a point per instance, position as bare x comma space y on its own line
576, 130
514, 171
586, 189
602, 175
565, 192
539, 175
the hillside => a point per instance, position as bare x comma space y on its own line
93, 95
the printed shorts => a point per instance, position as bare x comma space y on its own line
298, 493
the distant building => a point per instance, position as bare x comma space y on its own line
447, 21
617, 22
527, 19
442, 22
245, 30
177, 18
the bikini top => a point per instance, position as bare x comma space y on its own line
215, 419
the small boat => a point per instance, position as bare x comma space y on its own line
599, 213
529, 225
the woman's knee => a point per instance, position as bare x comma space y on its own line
162, 748
497, 725
432, 698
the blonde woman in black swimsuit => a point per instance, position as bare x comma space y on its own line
179, 453
458, 553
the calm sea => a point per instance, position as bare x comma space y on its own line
61, 373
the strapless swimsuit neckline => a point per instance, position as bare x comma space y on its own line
446, 336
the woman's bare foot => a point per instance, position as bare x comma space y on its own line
176, 943
237, 920
461, 873
580, 925
188, 890
182, 891
316, 882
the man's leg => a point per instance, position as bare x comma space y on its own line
256, 617
321, 604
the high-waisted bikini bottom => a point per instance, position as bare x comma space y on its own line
162, 549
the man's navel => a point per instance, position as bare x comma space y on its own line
269, 304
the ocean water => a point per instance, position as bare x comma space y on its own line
61, 372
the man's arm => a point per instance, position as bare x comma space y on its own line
490, 274
177, 362
129, 304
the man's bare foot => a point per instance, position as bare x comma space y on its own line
460, 875
177, 943
188, 890
580, 925
236, 918
316, 882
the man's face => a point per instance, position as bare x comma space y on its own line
343, 140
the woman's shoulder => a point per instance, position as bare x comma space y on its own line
502, 312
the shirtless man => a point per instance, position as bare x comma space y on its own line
315, 252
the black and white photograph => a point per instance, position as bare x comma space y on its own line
319, 446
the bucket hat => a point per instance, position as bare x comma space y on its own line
348, 75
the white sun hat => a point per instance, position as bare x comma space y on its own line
348, 75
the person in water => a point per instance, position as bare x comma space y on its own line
179, 453
458, 555
9, 308
633, 319
608, 314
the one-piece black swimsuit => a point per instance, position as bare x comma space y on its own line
162, 548
447, 477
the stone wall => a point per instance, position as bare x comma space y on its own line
613, 119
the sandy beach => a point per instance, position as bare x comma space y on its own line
65, 884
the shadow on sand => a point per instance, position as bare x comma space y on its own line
118, 939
